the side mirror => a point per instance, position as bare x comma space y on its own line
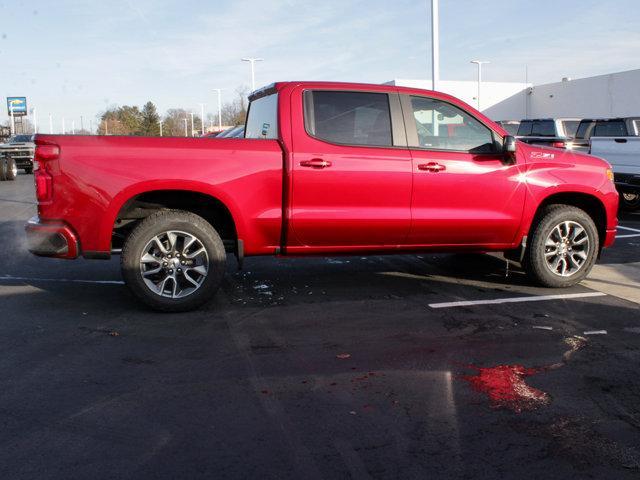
510, 144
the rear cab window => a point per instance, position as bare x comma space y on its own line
614, 128
525, 128
262, 119
348, 118
544, 128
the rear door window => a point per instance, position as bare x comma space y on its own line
348, 118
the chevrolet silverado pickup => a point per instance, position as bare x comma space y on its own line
623, 153
20, 148
323, 169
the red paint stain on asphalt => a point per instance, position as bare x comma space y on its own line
506, 387
505, 384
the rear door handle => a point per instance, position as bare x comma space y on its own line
315, 163
431, 167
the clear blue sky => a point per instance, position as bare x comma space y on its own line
78, 57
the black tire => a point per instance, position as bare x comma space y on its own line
11, 171
535, 260
3, 169
629, 201
28, 170
156, 225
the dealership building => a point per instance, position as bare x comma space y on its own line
602, 96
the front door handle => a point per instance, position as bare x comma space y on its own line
431, 167
315, 163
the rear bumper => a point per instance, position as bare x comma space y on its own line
51, 239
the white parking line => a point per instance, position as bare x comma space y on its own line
70, 280
630, 229
496, 301
628, 236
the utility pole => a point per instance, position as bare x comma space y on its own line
81, 124
50, 124
252, 61
435, 44
479, 63
219, 90
106, 126
160, 123
202, 116
73, 127
186, 132
13, 121
191, 113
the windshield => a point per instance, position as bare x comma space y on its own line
21, 139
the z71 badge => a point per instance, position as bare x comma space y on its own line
543, 155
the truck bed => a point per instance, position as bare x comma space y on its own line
95, 177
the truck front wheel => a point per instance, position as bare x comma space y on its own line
173, 261
563, 247
11, 169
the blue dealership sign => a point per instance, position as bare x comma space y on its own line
18, 105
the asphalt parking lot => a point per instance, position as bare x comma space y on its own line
354, 367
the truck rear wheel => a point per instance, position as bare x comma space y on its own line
173, 261
563, 247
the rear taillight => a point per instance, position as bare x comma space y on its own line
44, 185
47, 152
43, 179
559, 145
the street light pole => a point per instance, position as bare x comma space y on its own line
50, 124
73, 127
191, 113
35, 120
64, 130
219, 90
252, 61
186, 131
479, 63
435, 44
160, 123
81, 123
202, 116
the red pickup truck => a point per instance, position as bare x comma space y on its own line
323, 169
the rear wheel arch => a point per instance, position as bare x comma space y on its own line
144, 204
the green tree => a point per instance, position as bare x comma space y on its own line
173, 123
125, 120
149, 126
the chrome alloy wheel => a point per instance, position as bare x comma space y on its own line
566, 249
14, 169
174, 264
